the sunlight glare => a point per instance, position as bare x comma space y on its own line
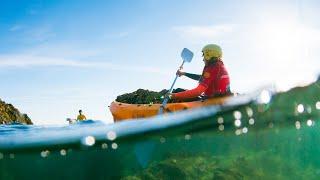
283, 45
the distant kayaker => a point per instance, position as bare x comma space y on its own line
81, 117
214, 80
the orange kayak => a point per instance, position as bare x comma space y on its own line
123, 111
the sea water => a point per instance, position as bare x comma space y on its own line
256, 136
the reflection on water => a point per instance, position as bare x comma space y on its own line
260, 139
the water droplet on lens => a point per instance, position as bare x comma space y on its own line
309, 122
249, 111
237, 114
237, 122
300, 108
162, 140
309, 109
318, 105
104, 145
298, 124
238, 132
265, 97
271, 125
220, 120
187, 137
251, 121
244, 130
221, 127
111, 135
11, 156
114, 145
63, 152
88, 141
44, 154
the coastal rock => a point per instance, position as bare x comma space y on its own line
11, 115
143, 96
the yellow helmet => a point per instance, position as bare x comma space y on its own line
211, 51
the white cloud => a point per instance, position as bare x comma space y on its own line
31, 34
16, 27
39, 34
30, 61
203, 32
116, 35
74, 50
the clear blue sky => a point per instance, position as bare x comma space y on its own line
60, 56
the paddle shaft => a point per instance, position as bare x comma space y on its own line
166, 99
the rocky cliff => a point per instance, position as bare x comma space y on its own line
10, 115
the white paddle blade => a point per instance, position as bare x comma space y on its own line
186, 55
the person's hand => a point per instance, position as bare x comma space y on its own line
180, 73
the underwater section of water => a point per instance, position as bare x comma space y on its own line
250, 137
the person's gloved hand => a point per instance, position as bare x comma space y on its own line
180, 73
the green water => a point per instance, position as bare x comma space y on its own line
278, 140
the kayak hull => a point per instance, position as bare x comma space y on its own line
124, 111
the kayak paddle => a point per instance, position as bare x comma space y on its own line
187, 56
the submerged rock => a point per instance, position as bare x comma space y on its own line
256, 165
11, 115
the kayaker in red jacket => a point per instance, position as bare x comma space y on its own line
214, 80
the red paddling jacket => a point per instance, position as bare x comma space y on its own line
214, 81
